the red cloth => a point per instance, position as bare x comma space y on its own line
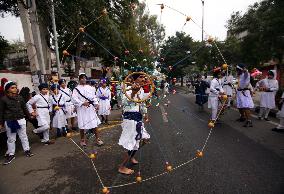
113, 90
1, 91
146, 88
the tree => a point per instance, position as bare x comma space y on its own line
4, 45
263, 23
119, 30
9, 6
173, 53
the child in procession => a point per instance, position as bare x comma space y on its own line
13, 111
104, 97
41, 102
58, 111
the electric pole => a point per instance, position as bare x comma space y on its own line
55, 39
202, 1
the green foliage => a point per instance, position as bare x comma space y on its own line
264, 23
123, 28
173, 51
4, 45
9, 6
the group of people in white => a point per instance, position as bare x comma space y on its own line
223, 85
59, 106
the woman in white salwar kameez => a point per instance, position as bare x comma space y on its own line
268, 88
86, 103
133, 130
104, 97
57, 108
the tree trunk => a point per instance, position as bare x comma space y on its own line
181, 81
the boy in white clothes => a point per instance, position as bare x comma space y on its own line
227, 84
69, 106
104, 97
86, 102
133, 130
215, 91
58, 111
41, 102
268, 88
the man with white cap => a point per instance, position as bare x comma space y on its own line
13, 111
86, 103
268, 88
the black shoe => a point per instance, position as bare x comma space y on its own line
64, 132
266, 119
29, 153
9, 159
278, 130
75, 129
58, 133
259, 118
248, 124
48, 143
241, 119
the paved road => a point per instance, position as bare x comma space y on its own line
236, 159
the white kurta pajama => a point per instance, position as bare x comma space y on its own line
227, 84
69, 106
213, 98
87, 116
244, 99
59, 116
267, 98
127, 139
43, 118
104, 97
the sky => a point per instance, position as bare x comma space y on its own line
216, 13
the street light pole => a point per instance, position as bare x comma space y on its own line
202, 1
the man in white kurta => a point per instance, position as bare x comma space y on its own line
227, 84
104, 97
41, 102
86, 103
133, 130
57, 108
244, 99
215, 91
69, 106
268, 88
